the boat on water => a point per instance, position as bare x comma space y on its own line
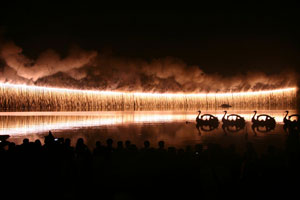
225, 105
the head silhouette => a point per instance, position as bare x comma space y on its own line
109, 142
127, 143
161, 144
37, 143
120, 144
80, 143
26, 141
146, 144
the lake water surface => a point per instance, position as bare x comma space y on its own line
138, 126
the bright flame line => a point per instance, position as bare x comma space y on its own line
51, 89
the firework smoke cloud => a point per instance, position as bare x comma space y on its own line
85, 69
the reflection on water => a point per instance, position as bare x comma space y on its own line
20, 123
139, 126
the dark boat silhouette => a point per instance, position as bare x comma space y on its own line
207, 119
233, 120
225, 105
263, 120
292, 121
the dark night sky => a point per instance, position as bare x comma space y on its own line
226, 38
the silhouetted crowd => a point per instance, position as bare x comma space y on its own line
120, 170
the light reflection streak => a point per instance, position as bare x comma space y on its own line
41, 122
23, 123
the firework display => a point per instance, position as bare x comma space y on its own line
35, 98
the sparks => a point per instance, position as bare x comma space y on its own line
51, 89
16, 97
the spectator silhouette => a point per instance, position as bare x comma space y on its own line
146, 144
68, 149
146, 147
38, 143
161, 145
127, 144
249, 165
49, 139
161, 151
109, 143
99, 149
80, 146
215, 169
120, 146
25, 142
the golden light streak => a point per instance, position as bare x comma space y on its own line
15, 97
171, 95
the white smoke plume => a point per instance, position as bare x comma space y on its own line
90, 70
47, 64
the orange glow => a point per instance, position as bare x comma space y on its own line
15, 97
64, 90
22, 123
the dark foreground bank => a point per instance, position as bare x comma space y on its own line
119, 170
